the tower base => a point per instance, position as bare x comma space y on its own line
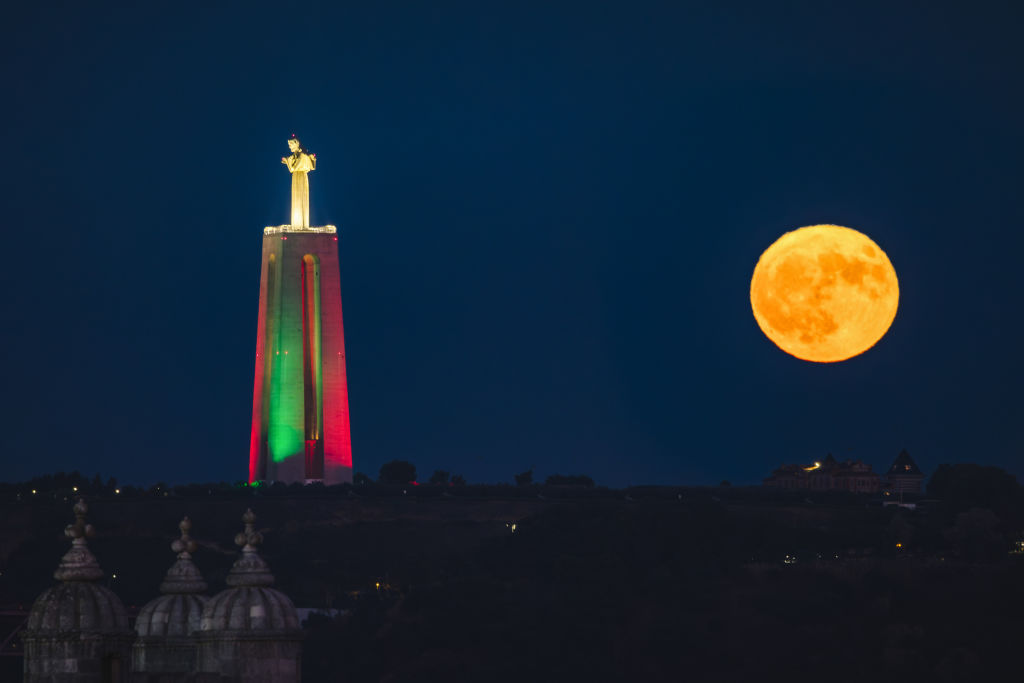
300, 419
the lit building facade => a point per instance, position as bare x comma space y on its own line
828, 475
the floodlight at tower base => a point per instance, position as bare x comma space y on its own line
300, 419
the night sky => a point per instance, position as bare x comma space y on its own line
549, 214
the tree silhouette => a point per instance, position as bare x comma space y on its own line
976, 537
397, 472
569, 480
965, 486
524, 478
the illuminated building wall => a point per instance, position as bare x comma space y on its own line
300, 422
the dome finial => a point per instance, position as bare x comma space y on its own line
183, 576
249, 569
184, 545
79, 529
250, 538
78, 564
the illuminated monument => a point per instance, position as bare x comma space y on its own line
300, 423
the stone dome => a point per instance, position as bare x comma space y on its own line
250, 608
250, 604
78, 603
170, 615
77, 606
250, 632
77, 629
177, 611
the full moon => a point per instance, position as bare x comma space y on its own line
824, 293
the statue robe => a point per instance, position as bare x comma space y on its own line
300, 164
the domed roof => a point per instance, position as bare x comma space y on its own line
250, 604
177, 611
77, 603
171, 615
77, 606
249, 608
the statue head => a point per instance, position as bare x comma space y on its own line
294, 145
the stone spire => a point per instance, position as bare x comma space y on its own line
78, 564
183, 576
249, 569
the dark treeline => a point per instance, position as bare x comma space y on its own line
395, 476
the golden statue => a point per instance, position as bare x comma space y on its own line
300, 163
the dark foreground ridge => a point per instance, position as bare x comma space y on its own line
659, 584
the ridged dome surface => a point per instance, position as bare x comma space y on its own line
171, 615
77, 606
249, 608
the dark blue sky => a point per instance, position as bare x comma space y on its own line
549, 215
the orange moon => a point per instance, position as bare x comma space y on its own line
824, 293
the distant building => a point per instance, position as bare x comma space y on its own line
827, 475
904, 476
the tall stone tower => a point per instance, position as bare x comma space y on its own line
300, 421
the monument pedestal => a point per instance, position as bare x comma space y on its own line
300, 420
